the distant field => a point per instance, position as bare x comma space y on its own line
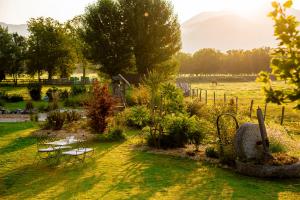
247, 91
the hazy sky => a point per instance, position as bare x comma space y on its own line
19, 11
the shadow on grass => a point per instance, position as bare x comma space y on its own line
11, 128
159, 176
31, 180
18, 144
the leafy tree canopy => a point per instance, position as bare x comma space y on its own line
285, 62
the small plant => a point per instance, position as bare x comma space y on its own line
55, 120
50, 92
196, 137
116, 134
211, 152
34, 118
78, 89
64, 94
42, 107
72, 116
35, 91
138, 117
99, 107
194, 108
53, 105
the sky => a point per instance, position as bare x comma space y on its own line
19, 11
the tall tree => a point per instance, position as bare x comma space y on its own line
19, 53
49, 48
6, 50
285, 62
154, 31
108, 42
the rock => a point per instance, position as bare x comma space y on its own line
248, 143
269, 171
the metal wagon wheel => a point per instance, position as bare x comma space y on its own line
221, 144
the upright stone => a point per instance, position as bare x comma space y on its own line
248, 143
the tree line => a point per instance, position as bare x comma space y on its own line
123, 36
233, 61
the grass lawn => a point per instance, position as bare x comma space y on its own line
119, 172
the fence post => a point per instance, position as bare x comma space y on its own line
224, 98
236, 104
200, 95
206, 96
265, 112
282, 115
214, 97
251, 108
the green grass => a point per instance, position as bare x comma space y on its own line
120, 172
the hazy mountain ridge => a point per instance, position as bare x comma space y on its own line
226, 30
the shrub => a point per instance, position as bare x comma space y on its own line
194, 107
42, 107
211, 152
78, 89
138, 96
138, 117
35, 91
277, 147
29, 106
196, 137
34, 118
54, 104
2, 103
99, 107
50, 92
115, 134
173, 98
72, 116
64, 94
55, 120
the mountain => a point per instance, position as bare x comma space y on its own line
227, 30
20, 29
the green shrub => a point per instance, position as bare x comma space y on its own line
35, 91
211, 152
42, 107
194, 107
78, 89
50, 92
72, 116
2, 103
64, 94
196, 137
115, 134
172, 98
34, 118
55, 120
138, 117
277, 147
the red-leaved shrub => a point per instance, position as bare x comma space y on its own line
99, 107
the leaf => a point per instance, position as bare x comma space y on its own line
288, 4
